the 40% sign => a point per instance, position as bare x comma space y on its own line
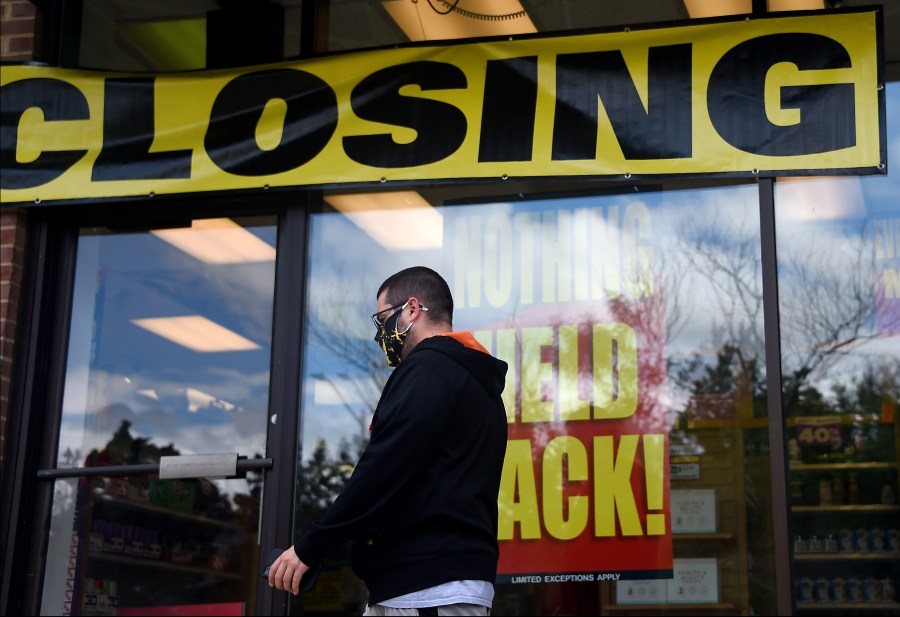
818, 431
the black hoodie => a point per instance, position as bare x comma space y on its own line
421, 504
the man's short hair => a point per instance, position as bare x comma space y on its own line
422, 283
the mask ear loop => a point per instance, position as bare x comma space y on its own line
403, 308
421, 307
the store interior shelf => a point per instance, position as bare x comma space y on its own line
846, 419
167, 565
836, 606
839, 466
720, 537
168, 512
643, 608
853, 508
845, 556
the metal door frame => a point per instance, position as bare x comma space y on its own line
29, 468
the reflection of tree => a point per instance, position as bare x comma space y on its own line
727, 378
323, 479
651, 317
63, 491
826, 306
672, 278
725, 259
338, 326
360, 412
125, 449
718, 276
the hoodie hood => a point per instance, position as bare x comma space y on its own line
464, 349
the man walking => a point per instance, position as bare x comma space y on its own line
421, 504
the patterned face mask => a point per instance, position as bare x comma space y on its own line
390, 340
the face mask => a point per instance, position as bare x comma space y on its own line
390, 340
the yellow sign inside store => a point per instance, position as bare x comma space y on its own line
778, 95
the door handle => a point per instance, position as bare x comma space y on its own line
243, 464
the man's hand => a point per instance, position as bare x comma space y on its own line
286, 572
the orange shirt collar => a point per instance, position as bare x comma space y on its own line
465, 337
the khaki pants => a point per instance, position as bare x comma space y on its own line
450, 609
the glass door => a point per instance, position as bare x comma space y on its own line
162, 437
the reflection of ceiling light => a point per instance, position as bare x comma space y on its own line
218, 241
198, 399
715, 8
400, 220
817, 198
196, 333
149, 394
795, 5
166, 44
420, 22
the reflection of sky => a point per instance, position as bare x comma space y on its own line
829, 269
514, 261
346, 268
119, 372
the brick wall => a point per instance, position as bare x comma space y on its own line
12, 250
18, 19
17, 30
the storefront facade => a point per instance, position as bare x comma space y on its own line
698, 297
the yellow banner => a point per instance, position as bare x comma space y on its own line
773, 96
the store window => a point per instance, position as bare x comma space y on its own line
355, 24
542, 279
168, 358
839, 289
624, 317
128, 35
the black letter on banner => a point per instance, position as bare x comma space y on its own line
128, 132
309, 123
662, 131
507, 117
58, 100
736, 97
441, 127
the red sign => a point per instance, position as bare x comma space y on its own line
585, 489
